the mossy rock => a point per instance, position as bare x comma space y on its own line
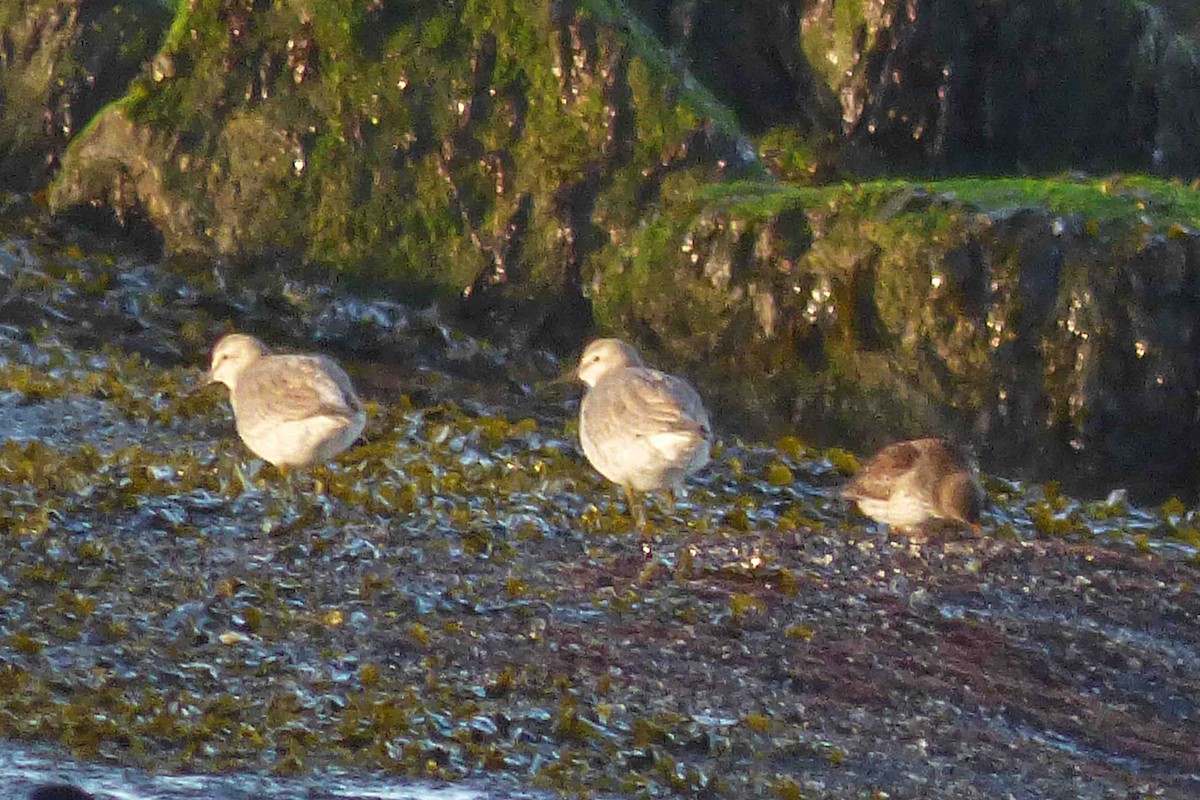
456, 150
1027, 315
942, 86
63, 61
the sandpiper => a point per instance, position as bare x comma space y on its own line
640, 428
291, 410
908, 483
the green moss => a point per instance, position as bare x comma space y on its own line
353, 123
778, 474
1120, 200
843, 461
666, 71
785, 788
835, 44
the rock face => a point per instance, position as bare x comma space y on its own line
1178, 151
944, 86
549, 166
478, 149
60, 61
954, 86
1063, 344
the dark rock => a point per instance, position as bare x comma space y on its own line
60, 62
944, 86
1063, 353
1032, 86
59, 791
1178, 140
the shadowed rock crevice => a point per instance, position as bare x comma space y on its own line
750, 54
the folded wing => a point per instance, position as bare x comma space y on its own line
662, 409
287, 388
879, 476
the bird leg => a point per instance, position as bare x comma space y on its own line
676, 493
636, 509
289, 481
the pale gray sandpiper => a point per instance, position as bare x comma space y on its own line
640, 428
908, 483
291, 410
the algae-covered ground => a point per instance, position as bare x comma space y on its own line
461, 596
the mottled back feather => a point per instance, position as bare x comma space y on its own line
643, 402
293, 387
879, 475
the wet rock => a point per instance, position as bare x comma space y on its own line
60, 62
1059, 343
473, 158
22, 313
941, 85
1178, 138
59, 791
961, 87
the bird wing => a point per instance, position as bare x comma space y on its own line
943, 456
649, 403
294, 387
879, 476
